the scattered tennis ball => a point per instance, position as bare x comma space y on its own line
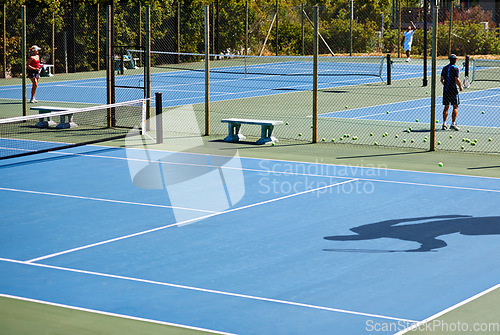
425, 137
387, 112
412, 140
347, 135
463, 139
467, 140
323, 139
490, 140
311, 126
425, 140
475, 140
371, 134
375, 143
437, 121
409, 128
416, 120
286, 124
472, 143
426, 92
396, 136
468, 130
408, 131
409, 83
440, 164
333, 140
340, 138
273, 144
300, 134
355, 138
462, 147
439, 143
451, 136
482, 112
404, 141
346, 106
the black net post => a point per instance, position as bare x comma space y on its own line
466, 65
159, 118
389, 68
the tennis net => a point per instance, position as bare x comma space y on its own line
268, 65
485, 70
32, 134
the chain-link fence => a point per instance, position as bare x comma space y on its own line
355, 104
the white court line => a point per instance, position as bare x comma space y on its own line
102, 199
128, 317
449, 309
185, 222
199, 289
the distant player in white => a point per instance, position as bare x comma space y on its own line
408, 39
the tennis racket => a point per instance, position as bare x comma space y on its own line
466, 82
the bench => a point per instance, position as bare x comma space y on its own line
129, 62
46, 70
267, 127
63, 123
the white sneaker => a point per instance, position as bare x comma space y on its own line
408, 59
33, 101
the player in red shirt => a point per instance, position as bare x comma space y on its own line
34, 68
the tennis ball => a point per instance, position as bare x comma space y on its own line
396, 136
451, 136
333, 140
300, 134
490, 140
468, 130
273, 144
311, 126
409, 128
462, 147
416, 120
437, 121
482, 112
409, 83
355, 138
371, 134
404, 141
323, 139
426, 92
439, 143
387, 112
440, 164
346, 106
425, 140
425, 137
408, 131
286, 124
340, 138
463, 139
412, 141
472, 143
467, 140
375, 143
347, 135
475, 140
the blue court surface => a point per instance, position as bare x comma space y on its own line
246, 246
477, 108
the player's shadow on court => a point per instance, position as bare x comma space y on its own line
426, 233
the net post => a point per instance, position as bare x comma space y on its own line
207, 71
147, 65
432, 145
122, 61
23, 62
315, 76
389, 69
159, 118
466, 65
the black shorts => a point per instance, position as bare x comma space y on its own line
33, 74
450, 98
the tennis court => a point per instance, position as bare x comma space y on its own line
240, 245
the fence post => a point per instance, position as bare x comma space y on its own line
147, 69
5, 40
53, 42
315, 76
424, 80
207, 70
433, 79
23, 58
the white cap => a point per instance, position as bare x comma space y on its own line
35, 47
